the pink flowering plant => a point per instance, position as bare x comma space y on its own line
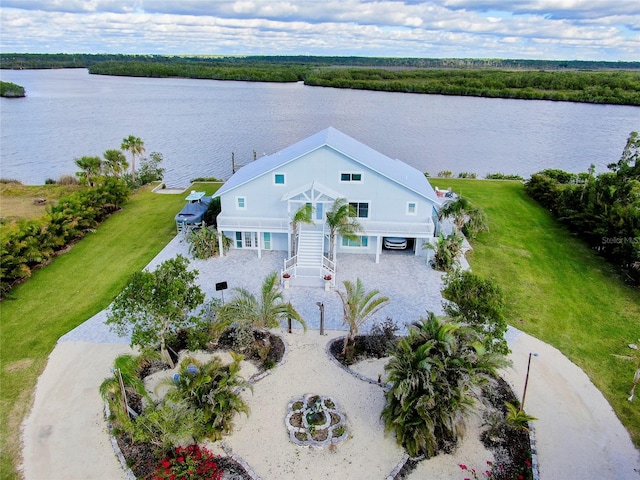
188, 463
497, 472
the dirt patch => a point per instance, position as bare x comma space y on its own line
19, 365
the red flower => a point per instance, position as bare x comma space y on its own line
463, 467
166, 463
180, 459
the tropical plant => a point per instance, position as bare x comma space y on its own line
189, 463
168, 425
150, 170
341, 220
436, 371
115, 163
479, 303
155, 304
467, 218
447, 251
301, 215
211, 215
212, 388
517, 417
91, 167
203, 242
135, 146
358, 306
260, 312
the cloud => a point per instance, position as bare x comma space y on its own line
593, 29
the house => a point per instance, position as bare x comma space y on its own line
392, 201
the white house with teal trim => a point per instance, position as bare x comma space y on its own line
391, 199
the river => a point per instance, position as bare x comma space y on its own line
197, 124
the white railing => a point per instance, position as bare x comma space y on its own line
398, 228
252, 223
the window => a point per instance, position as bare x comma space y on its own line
361, 209
412, 208
238, 239
267, 240
241, 203
278, 178
359, 242
350, 177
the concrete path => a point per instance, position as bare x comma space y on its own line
65, 435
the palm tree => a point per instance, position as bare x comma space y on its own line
358, 306
436, 372
115, 163
341, 220
135, 146
302, 215
261, 312
91, 168
467, 218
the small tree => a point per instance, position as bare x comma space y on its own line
467, 218
260, 312
302, 215
203, 242
358, 306
91, 170
479, 303
155, 304
341, 220
135, 146
115, 163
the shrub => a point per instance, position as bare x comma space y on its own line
502, 176
447, 251
467, 175
68, 180
205, 179
445, 174
189, 463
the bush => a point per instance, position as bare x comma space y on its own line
205, 179
189, 463
445, 174
466, 175
502, 176
68, 180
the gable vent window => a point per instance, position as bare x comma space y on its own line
350, 177
279, 178
412, 208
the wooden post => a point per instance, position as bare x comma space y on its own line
233, 162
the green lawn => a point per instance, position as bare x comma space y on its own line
64, 294
557, 289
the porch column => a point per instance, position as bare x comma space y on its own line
259, 244
220, 247
378, 248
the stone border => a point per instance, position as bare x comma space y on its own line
305, 429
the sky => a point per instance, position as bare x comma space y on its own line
524, 29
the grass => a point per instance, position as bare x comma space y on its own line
18, 201
67, 292
557, 289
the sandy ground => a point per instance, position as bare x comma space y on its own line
578, 435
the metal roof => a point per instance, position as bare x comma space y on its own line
395, 170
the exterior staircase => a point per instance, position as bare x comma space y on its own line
309, 258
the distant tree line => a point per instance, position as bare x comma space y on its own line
603, 209
619, 87
16, 61
573, 81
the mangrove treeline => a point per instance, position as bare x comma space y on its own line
602, 209
574, 81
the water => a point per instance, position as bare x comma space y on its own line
196, 124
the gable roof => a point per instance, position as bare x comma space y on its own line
396, 170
